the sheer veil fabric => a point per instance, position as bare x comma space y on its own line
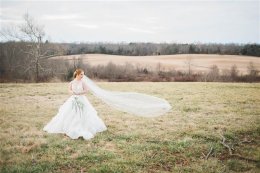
131, 102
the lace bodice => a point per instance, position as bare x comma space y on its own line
77, 86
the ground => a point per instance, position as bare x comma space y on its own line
187, 139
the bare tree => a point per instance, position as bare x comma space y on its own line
252, 71
32, 35
188, 62
234, 72
213, 74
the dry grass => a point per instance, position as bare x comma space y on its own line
175, 142
169, 62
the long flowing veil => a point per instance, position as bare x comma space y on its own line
131, 102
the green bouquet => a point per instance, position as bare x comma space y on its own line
77, 104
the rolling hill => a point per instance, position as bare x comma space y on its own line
197, 62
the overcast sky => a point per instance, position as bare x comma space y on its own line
208, 21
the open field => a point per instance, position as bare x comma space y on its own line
179, 141
199, 62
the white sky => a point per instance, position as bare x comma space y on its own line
208, 21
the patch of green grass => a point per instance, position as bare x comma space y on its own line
29, 167
238, 166
191, 109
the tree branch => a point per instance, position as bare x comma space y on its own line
49, 56
223, 142
209, 153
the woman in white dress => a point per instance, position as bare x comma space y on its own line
76, 117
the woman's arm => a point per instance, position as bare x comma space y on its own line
85, 88
70, 89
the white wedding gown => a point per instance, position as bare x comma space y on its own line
76, 117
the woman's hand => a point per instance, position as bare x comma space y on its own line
75, 93
80, 93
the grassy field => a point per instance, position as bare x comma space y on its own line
187, 139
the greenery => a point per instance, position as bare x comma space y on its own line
77, 104
176, 142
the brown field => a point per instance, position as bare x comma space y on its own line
199, 62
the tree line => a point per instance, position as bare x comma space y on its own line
146, 49
143, 49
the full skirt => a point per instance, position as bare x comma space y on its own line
76, 120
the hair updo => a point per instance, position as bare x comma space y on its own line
77, 72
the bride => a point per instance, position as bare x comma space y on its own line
77, 117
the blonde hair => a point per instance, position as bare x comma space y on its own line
78, 71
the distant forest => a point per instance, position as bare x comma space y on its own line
143, 49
